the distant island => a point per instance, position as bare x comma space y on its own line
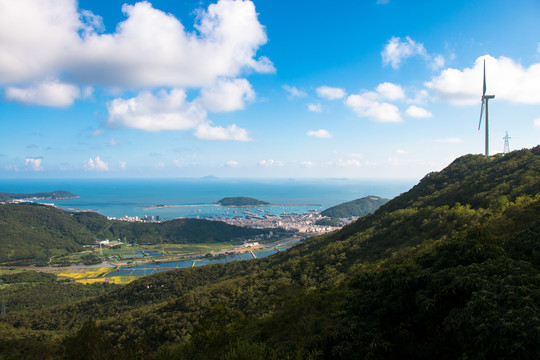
58, 194
358, 207
241, 201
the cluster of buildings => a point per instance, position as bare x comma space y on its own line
303, 223
145, 218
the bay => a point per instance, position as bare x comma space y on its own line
132, 197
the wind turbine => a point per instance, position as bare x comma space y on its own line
485, 100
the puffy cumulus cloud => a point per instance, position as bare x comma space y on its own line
418, 112
271, 163
293, 91
232, 132
48, 93
330, 93
149, 112
227, 95
536, 123
38, 38
168, 111
396, 50
314, 107
232, 164
321, 134
507, 79
96, 164
364, 106
390, 91
52, 39
34, 163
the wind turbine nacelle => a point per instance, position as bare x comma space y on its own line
489, 97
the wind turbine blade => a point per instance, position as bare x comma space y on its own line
484, 92
481, 113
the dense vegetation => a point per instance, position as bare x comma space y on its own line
241, 201
355, 208
58, 194
448, 270
32, 233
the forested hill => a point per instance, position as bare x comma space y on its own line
241, 201
58, 194
32, 233
355, 208
443, 271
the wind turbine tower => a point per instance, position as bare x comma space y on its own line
485, 100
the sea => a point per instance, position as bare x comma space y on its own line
193, 198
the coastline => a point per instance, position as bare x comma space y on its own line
153, 207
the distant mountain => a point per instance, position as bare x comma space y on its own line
209, 178
241, 201
355, 208
58, 194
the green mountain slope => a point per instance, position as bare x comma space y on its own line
33, 233
355, 208
442, 271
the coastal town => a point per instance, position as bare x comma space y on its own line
259, 218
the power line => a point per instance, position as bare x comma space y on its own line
506, 143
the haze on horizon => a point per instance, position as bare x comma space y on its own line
357, 89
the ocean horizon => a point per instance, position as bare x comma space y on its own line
132, 197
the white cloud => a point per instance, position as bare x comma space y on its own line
400, 151
96, 164
271, 163
396, 50
508, 80
450, 140
345, 163
151, 48
97, 132
34, 163
536, 123
206, 131
364, 106
114, 142
232, 164
48, 93
438, 62
122, 165
330, 93
418, 112
314, 107
293, 91
227, 95
308, 164
149, 112
321, 134
390, 91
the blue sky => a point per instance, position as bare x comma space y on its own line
301, 89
